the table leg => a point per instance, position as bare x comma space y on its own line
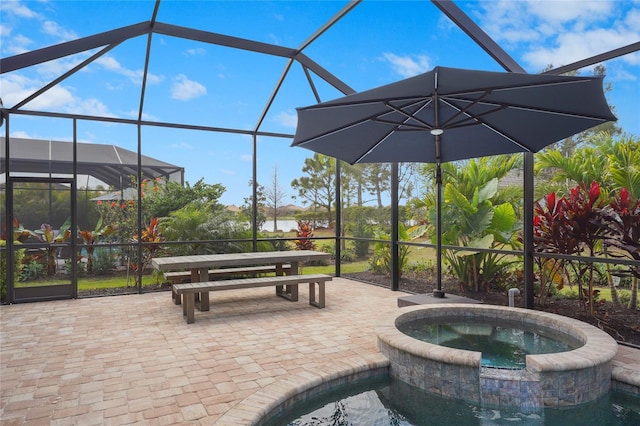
279, 273
290, 292
201, 300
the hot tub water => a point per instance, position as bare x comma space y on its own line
503, 345
560, 376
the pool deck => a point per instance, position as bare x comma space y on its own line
133, 359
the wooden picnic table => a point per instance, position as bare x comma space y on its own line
200, 266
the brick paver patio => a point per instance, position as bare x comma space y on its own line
133, 359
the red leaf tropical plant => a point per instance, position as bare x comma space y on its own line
90, 238
20, 234
304, 234
46, 234
622, 221
551, 236
151, 238
572, 225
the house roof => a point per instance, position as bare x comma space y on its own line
111, 164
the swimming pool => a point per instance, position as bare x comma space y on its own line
392, 402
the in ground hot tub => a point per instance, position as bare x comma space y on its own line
579, 374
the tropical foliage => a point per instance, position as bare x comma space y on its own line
382, 259
622, 219
46, 234
612, 160
577, 225
151, 237
304, 233
476, 214
91, 238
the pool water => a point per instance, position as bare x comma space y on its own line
504, 346
392, 402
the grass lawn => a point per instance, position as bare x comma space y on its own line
605, 292
98, 283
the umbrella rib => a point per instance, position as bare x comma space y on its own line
347, 103
560, 81
392, 129
464, 111
477, 119
507, 105
468, 117
412, 126
373, 117
409, 116
378, 142
337, 129
521, 86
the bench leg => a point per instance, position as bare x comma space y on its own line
312, 295
176, 297
290, 292
188, 307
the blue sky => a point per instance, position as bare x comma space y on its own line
196, 83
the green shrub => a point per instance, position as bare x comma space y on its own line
17, 268
428, 265
32, 271
81, 269
103, 261
624, 296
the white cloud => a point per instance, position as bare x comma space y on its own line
134, 113
228, 172
61, 98
18, 44
182, 145
287, 119
274, 39
561, 32
110, 63
17, 8
565, 11
246, 157
572, 47
5, 30
408, 66
184, 89
16, 87
89, 106
113, 86
21, 134
57, 67
52, 28
195, 52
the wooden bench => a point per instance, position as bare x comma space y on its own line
221, 273
185, 276
188, 291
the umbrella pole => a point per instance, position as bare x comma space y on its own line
438, 292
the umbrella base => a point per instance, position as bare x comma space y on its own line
438, 293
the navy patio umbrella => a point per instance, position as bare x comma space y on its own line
450, 114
